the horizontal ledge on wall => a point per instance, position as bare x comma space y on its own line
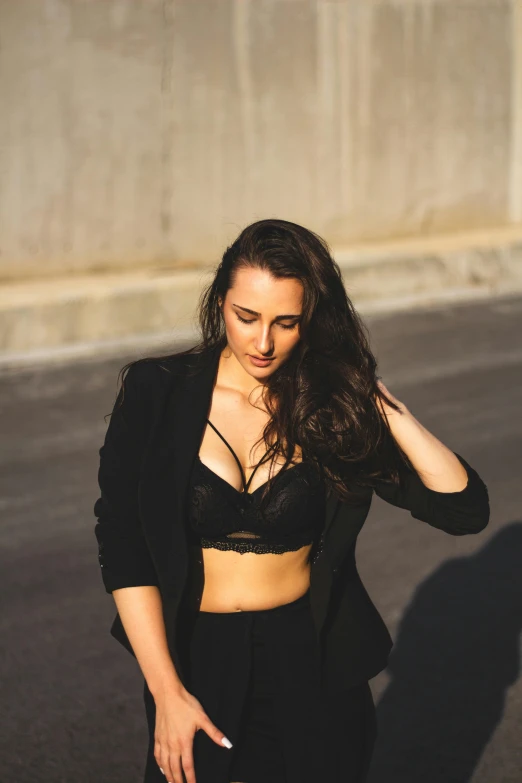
100, 313
383, 251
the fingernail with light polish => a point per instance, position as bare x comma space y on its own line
226, 742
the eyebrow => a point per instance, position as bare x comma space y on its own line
253, 312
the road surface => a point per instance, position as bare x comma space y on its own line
450, 703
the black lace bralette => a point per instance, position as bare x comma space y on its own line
226, 518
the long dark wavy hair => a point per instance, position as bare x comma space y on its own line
324, 397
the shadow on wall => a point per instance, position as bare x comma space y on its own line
456, 652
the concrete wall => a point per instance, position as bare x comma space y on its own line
146, 133
137, 137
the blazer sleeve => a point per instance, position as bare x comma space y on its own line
457, 513
122, 550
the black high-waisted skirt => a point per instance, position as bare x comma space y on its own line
256, 674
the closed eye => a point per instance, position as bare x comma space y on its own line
284, 326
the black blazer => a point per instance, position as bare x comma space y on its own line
150, 445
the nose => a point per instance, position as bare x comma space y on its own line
265, 343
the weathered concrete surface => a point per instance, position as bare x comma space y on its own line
137, 139
145, 134
450, 705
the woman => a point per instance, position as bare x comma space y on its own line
235, 478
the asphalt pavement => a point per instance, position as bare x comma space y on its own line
450, 703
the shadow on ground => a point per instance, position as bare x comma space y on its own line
456, 653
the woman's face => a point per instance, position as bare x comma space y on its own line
261, 316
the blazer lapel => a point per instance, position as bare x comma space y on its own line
189, 408
332, 504
169, 456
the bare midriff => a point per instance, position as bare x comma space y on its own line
236, 582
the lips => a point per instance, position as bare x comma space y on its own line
260, 362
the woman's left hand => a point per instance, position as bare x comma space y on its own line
384, 408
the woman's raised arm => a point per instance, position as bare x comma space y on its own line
443, 490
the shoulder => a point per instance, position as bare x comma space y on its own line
144, 386
149, 376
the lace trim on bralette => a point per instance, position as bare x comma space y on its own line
257, 547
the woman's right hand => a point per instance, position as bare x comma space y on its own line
178, 717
